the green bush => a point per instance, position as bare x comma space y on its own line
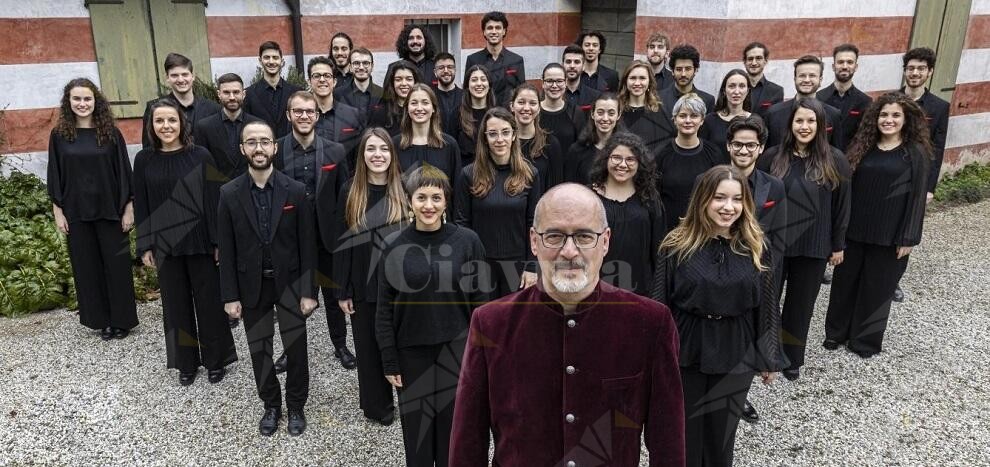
969, 185
294, 76
201, 89
35, 273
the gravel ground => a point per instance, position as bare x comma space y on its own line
69, 398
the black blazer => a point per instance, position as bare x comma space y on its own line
347, 126
665, 79
770, 203
334, 171
670, 94
851, 110
293, 245
200, 109
778, 124
350, 95
606, 79
937, 113
585, 99
257, 102
211, 134
765, 95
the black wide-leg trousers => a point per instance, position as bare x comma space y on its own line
374, 390
100, 255
802, 277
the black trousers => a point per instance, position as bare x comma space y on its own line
196, 329
712, 408
426, 400
802, 277
100, 255
862, 289
260, 330
506, 276
336, 322
374, 390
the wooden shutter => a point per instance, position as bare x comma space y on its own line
124, 53
180, 26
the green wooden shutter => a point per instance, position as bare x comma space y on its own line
941, 25
125, 55
180, 26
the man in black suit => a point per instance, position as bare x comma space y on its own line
506, 67
657, 53
765, 93
266, 98
221, 133
448, 94
807, 79
338, 122
684, 61
576, 93
596, 75
843, 94
361, 93
180, 78
321, 166
267, 263
745, 142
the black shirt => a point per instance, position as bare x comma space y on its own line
382, 116
670, 95
468, 143
359, 250
365, 101
508, 71
778, 123
262, 198
937, 113
884, 197
664, 79
604, 79
715, 131
450, 105
194, 112
502, 221
578, 161
304, 170
852, 105
270, 103
426, 67
583, 98
89, 182
637, 230
677, 169
446, 158
764, 95
550, 162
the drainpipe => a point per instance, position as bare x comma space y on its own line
297, 38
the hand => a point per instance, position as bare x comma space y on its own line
837, 258
216, 255
61, 223
903, 251
528, 279
127, 220
767, 376
346, 305
233, 309
148, 258
394, 380
307, 305
929, 197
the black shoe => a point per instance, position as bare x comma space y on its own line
233, 322
297, 422
390, 419
830, 344
347, 359
119, 333
280, 364
749, 413
269, 422
106, 333
827, 277
864, 354
186, 379
898, 294
216, 376
792, 375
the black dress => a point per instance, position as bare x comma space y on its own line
715, 131
550, 163
677, 169
564, 124
578, 162
638, 227
92, 186
654, 128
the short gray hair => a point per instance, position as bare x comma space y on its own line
693, 102
551, 193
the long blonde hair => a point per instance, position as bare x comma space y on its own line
484, 165
696, 228
357, 196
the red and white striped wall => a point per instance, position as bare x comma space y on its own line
969, 121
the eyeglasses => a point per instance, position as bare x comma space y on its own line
320, 76
750, 147
253, 143
616, 159
583, 240
912, 69
301, 112
443, 67
362, 64
493, 135
553, 82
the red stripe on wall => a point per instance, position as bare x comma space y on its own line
723, 40
28, 130
954, 157
240, 36
978, 34
46, 40
970, 98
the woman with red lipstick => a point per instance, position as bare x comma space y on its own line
420, 140
478, 98
890, 156
538, 146
89, 183
642, 111
816, 180
732, 102
398, 83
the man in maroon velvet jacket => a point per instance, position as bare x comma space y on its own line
570, 372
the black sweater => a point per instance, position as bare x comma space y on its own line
87, 181
677, 169
501, 221
359, 251
447, 158
714, 131
550, 163
175, 201
637, 230
424, 295
888, 197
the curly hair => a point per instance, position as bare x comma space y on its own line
645, 179
914, 131
103, 120
402, 42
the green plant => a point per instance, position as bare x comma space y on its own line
201, 89
294, 76
968, 185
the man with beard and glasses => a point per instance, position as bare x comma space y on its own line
843, 94
684, 61
221, 133
340, 54
506, 67
576, 92
596, 75
657, 52
416, 45
449, 95
180, 78
765, 93
267, 263
573, 366
807, 79
338, 121
266, 98
362, 93
321, 166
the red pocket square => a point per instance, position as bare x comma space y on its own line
769, 204
510, 71
766, 104
585, 108
435, 82
828, 129
288, 207
328, 167
347, 130
854, 113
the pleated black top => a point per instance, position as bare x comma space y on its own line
637, 230
578, 161
550, 163
888, 200
655, 128
677, 169
358, 251
89, 182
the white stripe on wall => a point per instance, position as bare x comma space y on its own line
974, 66
966, 130
980, 7
37, 162
436, 7
772, 9
43, 9
247, 8
39, 85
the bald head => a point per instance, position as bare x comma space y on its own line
569, 200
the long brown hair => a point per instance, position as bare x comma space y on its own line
696, 228
541, 139
821, 168
652, 101
103, 120
435, 135
484, 163
464, 113
914, 131
357, 196
389, 97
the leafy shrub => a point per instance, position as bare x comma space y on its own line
294, 76
201, 89
969, 185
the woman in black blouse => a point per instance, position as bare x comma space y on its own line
89, 183
816, 179
371, 206
478, 98
604, 119
538, 146
496, 196
681, 161
425, 301
642, 112
624, 176
561, 118
732, 102
889, 157
421, 141
398, 83
175, 205
714, 274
